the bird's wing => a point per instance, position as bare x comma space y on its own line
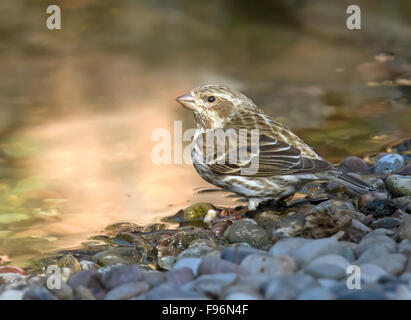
279, 152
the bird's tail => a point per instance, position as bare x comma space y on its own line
354, 184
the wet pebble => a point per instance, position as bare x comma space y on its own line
399, 185
354, 164
264, 263
388, 163
247, 230
123, 255
316, 248
127, 290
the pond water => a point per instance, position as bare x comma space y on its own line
78, 106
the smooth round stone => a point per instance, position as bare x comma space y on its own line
370, 273
372, 253
83, 278
154, 277
348, 254
38, 293
389, 163
212, 265
192, 263
331, 259
247, 230
242, 296
287, 246
379, 232
387, 223
367, 243
65, 292
180, 276
363, 294
354, 164
316, 248
211, 285
195, 252
123, 255
405, 247
166, 262
394, 263
236, 254
12, 295
399, 185
127, 291
327, 283
122, 274
263, 263
317, 293
404, 230
404, 203
287, 287
164, 291
325, 271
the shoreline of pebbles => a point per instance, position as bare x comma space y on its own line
302, 253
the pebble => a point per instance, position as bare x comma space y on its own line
287, 287
211, 285
372, 253
195, 251
380, 207
325, 271
316, 248
127, 291
393, 264
363, 294
165, 291
387, 223
12, 295
38, 293
404, 230
212, 265
287, 246
377, 240
406, 171
247, 230
83, 293
264, 263
192, 263
154, 277
316, 293
370, 273
399, 185
180, 276
237, 253
123, 255
389, 163
404, 203
121, 274
354, 164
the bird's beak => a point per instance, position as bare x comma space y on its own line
187, 101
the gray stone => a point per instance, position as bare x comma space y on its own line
354, 164
331, 259
389, 163
247, 230
404, 230
405, 247
212, 265
325, 271
83, 293
316, 293
370, 273
236, 254
38, 293
154, 277
211, 285
123, 255
195, 252
127, 291
387, 223
363, 294
394, 263
404, 203
64, 292
373, 252
165, 291
287, 287
264, 263
379, 232
121, 274
287, 246
399, 185
242, 296
180, 276
192, 263
367, 243
316, 248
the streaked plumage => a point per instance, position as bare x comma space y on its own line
285, 162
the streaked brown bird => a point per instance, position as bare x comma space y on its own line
285, 162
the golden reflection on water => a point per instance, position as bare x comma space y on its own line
78, 106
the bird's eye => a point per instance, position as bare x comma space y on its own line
211, 99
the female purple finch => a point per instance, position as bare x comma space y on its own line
281, 162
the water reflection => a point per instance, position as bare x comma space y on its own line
78, 105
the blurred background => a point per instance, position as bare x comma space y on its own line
78, 105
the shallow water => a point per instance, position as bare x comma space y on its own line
79, 105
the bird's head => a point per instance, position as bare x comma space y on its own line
214, 105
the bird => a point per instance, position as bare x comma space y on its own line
277, 163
